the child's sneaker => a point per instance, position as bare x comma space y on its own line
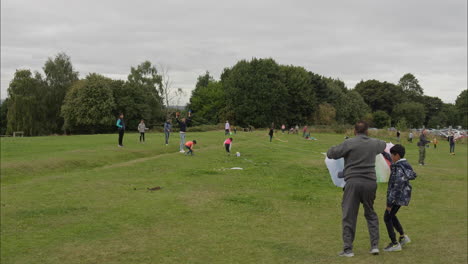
346, 254
404, 240
374, 251
393, 247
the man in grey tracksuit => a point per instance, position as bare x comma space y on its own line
361, 184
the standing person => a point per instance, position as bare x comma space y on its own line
189, 145
304, 131
235, 130
296, 129
361, 185
271, 133
435, 142
228, 145
183, 128
167, 130
142, 129
121, 127
227, 128
451, 140
422, 147
398, 194
398, 135
283, 128
410, 137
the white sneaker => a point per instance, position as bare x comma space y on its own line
346, 254
393, 247
374, 251
404, 240
182, 151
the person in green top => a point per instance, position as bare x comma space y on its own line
121, 128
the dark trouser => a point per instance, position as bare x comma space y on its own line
228, 148
121, 134
142, 136
355, 193
167, 137
452, 147
422, 154
391, 221
271, 137
189, 150
410, 140
226, 132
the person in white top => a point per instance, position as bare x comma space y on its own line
227, 128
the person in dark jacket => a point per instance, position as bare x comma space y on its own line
183, 128
422, 146
451, 140
270, 133
121, 128
398, 194
359, 155
167, 130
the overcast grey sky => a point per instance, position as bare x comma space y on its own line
351, 40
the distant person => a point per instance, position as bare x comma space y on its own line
167, 130
296, 129
183, 128
435, 142
304, 131
142, 129
227, 128
451, 140
422, 147
189, 145
359, 155
283, 128
291, 130
410, 139
235, 130
270, 133
228, 145
398, 135
121, 128
398, 194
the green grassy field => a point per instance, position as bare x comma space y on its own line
80, 199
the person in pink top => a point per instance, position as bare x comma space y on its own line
228, 144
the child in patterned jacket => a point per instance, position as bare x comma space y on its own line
398, 194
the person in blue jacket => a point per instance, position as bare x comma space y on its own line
121, 127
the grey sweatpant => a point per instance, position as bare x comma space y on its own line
182, 141
355, 193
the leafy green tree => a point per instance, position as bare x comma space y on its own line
89, 105
462, 106
325, 115
449, 116
350, 106
432, 106
26, 108
401, 124
380, 95
320, 88
410, 85
414, 114
3, 116
255, 94
381, 119
208, 103
59, 76
301, 100
147, 83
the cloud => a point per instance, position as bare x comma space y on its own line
350, 40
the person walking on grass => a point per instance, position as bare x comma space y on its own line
451, 140
189, 145
167, 130
228, 145
283, 128
435, 142
270, 133
398, 135
398, 194
304, 131
359, 155
422, 147
121, 128
183, 128
227, 128
142, 129
410, 139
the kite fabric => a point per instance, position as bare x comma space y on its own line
382, 170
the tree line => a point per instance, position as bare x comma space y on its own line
256, 92
260, 91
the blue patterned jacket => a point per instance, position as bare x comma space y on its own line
399, 188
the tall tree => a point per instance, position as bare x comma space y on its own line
380, 95
462, 106
208, 103
26, 108
59, 76
168, 92
88, 105
413, 113
410, 85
